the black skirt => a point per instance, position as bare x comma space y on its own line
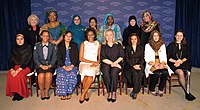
40, 70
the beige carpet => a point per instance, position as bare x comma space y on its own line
173, 101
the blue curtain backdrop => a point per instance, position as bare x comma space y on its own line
13, 18
188, 19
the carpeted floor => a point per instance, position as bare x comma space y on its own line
173, 101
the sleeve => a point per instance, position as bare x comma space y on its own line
147, 53
63, 29
188, 51
118, 34
11, 62
54, 56
142, 56
121, 51
163, 53
102, 54
60, 56
36, 56
169, 51
28, 59
125, 38
127, 59
75, 55
157, 27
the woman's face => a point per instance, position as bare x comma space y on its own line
156, 37
93, 23
45, 37
132, 22
68, 37
146, 18
134, 40
33, 21
77, 20
20, 40
90, 36
109, 36
179, 37
52, 17
110, 20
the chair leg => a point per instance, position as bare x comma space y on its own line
148, 85
98, 86
37, 87
120, 84
142, 89
170, 86
30, 83
103, 88
126, 88
54, 88
77, 89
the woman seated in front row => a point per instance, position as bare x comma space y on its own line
179, 60
156, 63
134, 69
45, 58
67, 67
111, 57
90, 59
19, 67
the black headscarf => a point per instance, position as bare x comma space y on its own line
20, 55
129, 30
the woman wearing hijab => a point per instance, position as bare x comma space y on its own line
19, 67
109, 24
77, 30
132, 28
55, 28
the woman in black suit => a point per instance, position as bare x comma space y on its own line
134, 60
67, 67
45, 58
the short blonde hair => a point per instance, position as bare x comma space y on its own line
29, 19
108, 30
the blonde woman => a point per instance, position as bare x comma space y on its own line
111, 57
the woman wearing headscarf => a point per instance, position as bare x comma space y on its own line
19, 67
109, 24
77, 30
148, 25
55, 28
132, 28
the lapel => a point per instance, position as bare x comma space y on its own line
49, 46
41, 50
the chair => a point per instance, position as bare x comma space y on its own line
120, 84
174, 78
53, 84
96, 81
29, 82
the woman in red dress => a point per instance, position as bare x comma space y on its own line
19, 67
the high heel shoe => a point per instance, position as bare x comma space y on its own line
160, 93
81, 101
47, 98
109, 98
154, 93
114, 97
87, 99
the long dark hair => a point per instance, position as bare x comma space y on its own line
155, 45
93, 18
88, 30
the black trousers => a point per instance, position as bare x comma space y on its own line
163, 74
110, 77
136, 79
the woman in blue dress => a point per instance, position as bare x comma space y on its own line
67, 67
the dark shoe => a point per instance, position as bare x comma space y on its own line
47, 98
42, 98
109, 98
20, 98
134, 96
14, 97
81, 101
87, 99
190, 97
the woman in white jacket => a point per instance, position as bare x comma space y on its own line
156, 63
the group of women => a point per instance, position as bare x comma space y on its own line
93, 51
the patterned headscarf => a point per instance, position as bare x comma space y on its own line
47, 14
